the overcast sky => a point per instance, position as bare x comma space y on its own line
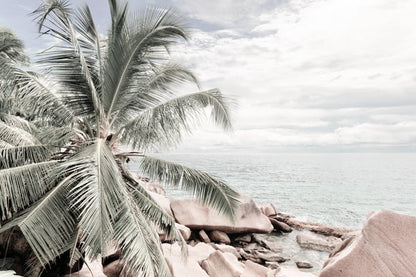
308, 75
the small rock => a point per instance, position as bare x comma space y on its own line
185, 231
272, 265
243, 239
280, 226
303, 265
273, 246
252, 246
227, 249
269, 256
320, 243
220, 237
248, 256
203, 236
268, 209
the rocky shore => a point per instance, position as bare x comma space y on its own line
386, 246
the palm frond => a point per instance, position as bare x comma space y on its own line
48, 224
23, 185
153, 211
163, 125
140, 244
54, 17
95, 194
19, 155
139, 41
210, 190
16, 136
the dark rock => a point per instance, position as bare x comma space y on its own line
280, 226
303, 265
220, 237
203, 236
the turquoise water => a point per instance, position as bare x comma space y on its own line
338, 189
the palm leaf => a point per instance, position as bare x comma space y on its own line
47, 225
209, 190
23, 185
162, 126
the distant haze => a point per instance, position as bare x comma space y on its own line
324, 76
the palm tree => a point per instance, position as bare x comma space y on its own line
63, 181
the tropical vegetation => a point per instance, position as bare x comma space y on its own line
67, 131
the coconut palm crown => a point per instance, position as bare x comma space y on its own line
63, 179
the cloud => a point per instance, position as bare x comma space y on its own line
318, 73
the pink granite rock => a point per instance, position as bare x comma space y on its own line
194, 215
90, 269
185, 231
255, 270
291, 272
220, 264
190, 267
203, 236
386, 247
268, 209
219, 237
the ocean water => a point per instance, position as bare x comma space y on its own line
338, 189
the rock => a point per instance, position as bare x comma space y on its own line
385, 247
243, 239
113, 269
272, 265
90, 269
220, 264
203, 236
320, 243
319, 228
220, 237
269, 256
191, 266
273, 246
268, 209
303, 265
227, 249
252, 246
290, 272
152, 187
185, 231
280, 226
255, 270
194, 215
249, 256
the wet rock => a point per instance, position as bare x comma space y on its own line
272, 265
269, 256
243, 239
320, 243
280, 226
220, 237
303, 265
385, 247
194, 215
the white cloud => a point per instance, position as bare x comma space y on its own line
321, 73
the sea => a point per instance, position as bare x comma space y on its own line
333, 188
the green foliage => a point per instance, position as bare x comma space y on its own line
62, 178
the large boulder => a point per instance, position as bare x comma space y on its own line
386, 247
189, 267
195, 215
219, 264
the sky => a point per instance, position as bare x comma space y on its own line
307, 75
